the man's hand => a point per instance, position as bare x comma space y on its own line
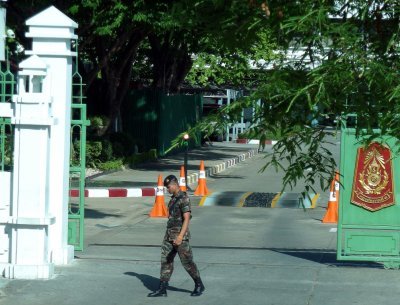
185, 225
178, 241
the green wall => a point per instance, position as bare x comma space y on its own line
154, 119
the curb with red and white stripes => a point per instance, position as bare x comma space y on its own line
151, 191
116, 192
257, 142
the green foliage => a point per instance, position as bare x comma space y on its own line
93, 152
350, 64
98, 122
106, 151
136, 159
243, 135
7, 145
276, 133
238, 68
156, 38
303, 155
123, 144
99, 154
116, 164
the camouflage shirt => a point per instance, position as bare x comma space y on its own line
177, 206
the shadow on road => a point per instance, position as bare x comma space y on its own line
151, 282
95, 214
325, 257
321, 256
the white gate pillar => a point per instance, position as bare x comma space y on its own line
37, 224
51, 32
29, 220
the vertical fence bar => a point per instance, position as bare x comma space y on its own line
76, 213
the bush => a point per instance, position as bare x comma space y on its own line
96, 124
106, 151
99, 154
111, 165
93, 152
122, 143
110, 152
136, 159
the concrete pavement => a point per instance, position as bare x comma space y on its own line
252, 256
246, 256
142, 180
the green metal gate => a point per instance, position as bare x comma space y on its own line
367, 233
76, 213
78, 148
7, 87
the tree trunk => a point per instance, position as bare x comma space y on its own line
116, 76
171, 62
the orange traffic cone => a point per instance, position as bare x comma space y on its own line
159, 209
201, 189
182, 180
331, 215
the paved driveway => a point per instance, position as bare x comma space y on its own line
254, 256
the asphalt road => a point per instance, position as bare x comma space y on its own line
256, 256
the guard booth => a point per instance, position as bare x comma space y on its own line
369, 203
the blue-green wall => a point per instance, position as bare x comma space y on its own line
154, 119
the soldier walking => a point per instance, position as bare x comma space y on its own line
176, 240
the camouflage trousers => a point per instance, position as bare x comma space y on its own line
168, 253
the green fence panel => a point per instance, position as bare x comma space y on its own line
363, 234
140, 118
177, 114
77, 169
154, 119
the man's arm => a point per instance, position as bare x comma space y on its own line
185, 226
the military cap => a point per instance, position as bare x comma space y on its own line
169, 179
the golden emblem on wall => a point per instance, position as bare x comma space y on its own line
374, 177
373, 182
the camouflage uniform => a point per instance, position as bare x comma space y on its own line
177, 206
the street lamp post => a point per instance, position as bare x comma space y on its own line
186, 143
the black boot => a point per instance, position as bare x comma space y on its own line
198, 288
161, 292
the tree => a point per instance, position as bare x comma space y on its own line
204, 27
241, 68
349, 64
155, 39
110, 33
